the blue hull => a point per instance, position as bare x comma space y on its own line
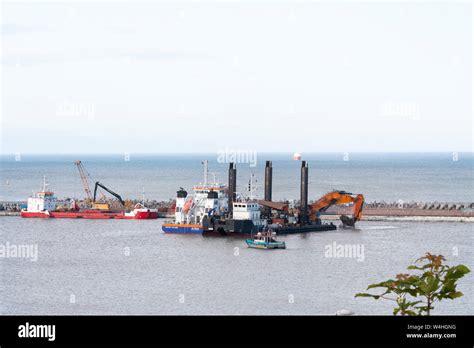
181, 229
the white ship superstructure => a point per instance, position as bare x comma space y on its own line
43, 201
207, 199
249, 210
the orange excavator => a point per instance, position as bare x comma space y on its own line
338, 197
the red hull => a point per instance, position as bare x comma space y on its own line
91, 214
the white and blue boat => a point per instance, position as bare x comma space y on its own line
193, 211
265, 240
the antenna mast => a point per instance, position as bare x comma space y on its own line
252, 186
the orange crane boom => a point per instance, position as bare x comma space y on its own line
339, 197
85, 182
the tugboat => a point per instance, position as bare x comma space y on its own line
265, 240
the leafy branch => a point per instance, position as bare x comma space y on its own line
415, 294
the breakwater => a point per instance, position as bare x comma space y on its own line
373, 211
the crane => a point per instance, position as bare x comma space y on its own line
83, 174
105, 206
93, 198
339, 197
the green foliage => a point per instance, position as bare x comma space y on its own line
414, 294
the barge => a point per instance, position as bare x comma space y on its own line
43, 205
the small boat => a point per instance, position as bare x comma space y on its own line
265, 240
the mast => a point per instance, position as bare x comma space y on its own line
252, 187
214, 178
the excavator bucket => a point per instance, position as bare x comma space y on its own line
347, 221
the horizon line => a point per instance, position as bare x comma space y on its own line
230, 149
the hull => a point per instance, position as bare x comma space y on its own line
182, 228
90, 214
277, 245
143, 215
222, 233
304, 229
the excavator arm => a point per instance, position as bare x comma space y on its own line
339, 197
98, 184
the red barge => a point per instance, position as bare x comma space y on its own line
44, 206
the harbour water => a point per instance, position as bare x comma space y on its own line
131, 267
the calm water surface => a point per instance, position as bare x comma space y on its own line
130, 267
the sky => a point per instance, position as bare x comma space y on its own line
131, 77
